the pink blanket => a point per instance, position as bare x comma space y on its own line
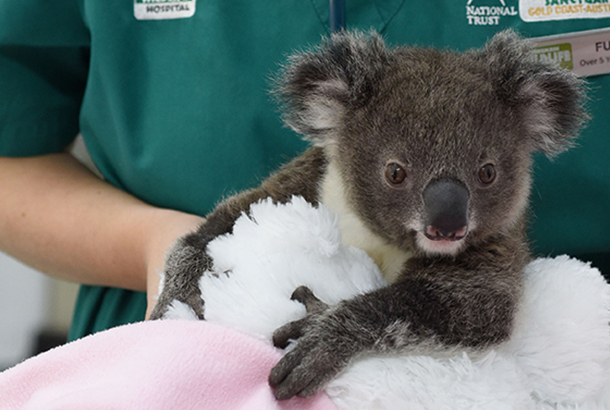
152, 365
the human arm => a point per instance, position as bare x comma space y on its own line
58, 217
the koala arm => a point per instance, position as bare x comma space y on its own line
437, 303
187, 260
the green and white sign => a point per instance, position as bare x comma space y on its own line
163, 9
587, 53
560, 53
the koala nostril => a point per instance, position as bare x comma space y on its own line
432, 233
460, 233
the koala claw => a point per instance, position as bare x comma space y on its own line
294, 330
304, 295
290, 331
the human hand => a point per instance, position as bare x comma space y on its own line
319, 354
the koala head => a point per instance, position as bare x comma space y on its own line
433, 147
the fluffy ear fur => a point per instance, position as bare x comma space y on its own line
318, 87
549, 100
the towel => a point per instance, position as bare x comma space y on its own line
152, 365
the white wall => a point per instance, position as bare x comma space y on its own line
24, 300
29, 303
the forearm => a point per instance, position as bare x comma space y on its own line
413, 312
56, 216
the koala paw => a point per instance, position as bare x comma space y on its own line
315, 360
306, 369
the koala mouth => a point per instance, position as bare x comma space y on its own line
451, 235
433, 242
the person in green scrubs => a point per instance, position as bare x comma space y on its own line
173, 101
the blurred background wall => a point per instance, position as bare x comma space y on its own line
35, 311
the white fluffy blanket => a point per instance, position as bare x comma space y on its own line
557, 358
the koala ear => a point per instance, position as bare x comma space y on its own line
318, 87
548, 99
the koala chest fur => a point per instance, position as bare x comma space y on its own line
388, 257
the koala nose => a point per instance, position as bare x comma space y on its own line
446, 203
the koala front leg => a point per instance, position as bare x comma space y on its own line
460, 309
183, 269
188, 260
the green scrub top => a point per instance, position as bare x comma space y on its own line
172, 99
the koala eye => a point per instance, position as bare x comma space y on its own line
487, 174
395, 174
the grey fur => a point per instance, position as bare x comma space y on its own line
441, 116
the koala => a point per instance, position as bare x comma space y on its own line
425, 156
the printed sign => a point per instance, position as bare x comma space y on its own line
548, 10
560, 53
163, 9
487, 14
587, 53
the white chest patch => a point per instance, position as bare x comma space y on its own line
388, 257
